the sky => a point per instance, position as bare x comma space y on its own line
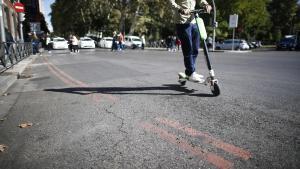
47, 4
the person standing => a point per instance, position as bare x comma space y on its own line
114, 45
35, 43
173, 43
178, 43
70, 43
143, 41
121, 41
48, 43
188, 33
75, 44
169, 43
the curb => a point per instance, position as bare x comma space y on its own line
238, 51
8, 77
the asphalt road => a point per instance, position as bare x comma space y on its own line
102, 109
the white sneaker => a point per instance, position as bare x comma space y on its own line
196, 78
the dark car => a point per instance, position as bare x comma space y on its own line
298, 41
298, 45
287, 44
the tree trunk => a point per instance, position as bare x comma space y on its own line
123, 17
134, 20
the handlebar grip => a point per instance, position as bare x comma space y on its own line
198, 11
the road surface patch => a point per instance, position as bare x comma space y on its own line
208, 139
212, 158
68, 80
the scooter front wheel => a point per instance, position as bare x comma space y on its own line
215, 89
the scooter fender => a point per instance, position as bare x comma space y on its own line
201, 28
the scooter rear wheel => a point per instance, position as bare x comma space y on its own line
215, 89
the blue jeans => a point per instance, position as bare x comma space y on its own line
35, 47
190, 43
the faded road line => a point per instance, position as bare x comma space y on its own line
70, 81
207, 138
212, 158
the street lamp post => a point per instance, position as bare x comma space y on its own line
21, 19
2, 22
215, 25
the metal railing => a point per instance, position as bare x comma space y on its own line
12, 53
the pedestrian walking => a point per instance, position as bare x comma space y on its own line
48, 43
35, 43
178, 43
114, 45
70, 46
209, 42
120, 41
169, 43
173, 44
75, 44
143, 41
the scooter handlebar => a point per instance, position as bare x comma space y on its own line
198, 11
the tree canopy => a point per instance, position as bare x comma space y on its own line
258, 19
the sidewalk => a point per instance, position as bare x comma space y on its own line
8, 77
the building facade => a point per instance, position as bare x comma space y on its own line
10, 20
34, 22
34, 19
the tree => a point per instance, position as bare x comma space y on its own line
253, 17
283, 14
155, 17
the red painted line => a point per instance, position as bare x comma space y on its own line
63, 79
212, 158
207, 138
67, 79
77, 82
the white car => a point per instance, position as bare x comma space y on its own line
59, 43
133, 42
105, 42
86, 42
238, 44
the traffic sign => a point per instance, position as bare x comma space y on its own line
233, 21
19, 7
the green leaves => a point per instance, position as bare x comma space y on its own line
257, 18
283, 16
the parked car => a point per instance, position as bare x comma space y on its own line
105, 42
240, 44
251, 45
287, 43
298, 45
133, 42
96, 39
59, 43
256, 44
86, 42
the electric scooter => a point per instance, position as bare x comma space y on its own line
210, 80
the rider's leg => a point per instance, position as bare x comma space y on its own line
195, 42
184, 32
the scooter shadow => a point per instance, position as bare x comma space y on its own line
156, 90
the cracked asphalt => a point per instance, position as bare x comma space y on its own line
102, 109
